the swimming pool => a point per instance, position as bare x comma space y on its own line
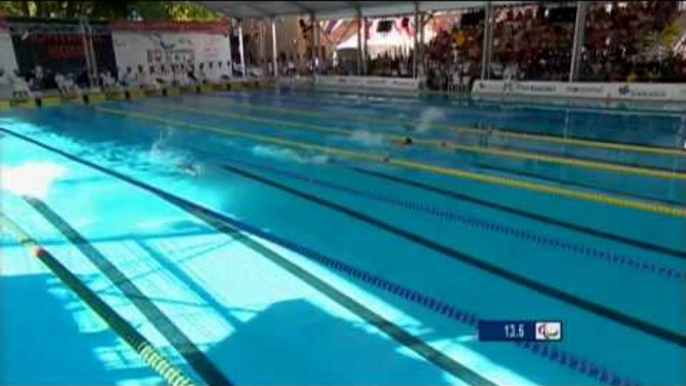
296, 236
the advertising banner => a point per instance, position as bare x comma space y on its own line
369, 82
58, 45
655, 92
150, 48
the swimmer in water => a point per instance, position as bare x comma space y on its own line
407, 141
189, 167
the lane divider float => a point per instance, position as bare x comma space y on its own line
473, 222
150, 355
645, 206
444, 144
480, 132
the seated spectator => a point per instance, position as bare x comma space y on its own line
201, 76
66, 86
179, 75
107, 80
291, 67
192, 77
511, 71
147, 80
20, 88
37, 79
168, 74
633, 76
129, 79
5, 85
222, 74
141, 76
211, 75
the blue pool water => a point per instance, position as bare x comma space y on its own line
292, 238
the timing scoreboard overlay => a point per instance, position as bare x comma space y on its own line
520, 331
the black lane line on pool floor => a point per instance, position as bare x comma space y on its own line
447, 215
184, 345
569, 360
588, 251
403, 337
595, 308
508, 209
122, 328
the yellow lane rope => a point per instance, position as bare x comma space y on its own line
433, 143
480, 132
646, 206
149, 354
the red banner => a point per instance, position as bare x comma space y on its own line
219, 27
3, 22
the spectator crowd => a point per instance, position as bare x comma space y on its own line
624, 41
628, 42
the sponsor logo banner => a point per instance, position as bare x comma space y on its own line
370, 82
609, 91
152, 48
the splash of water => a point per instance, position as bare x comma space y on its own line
367, 138
161, 154
32, 179
428, 117
287, 154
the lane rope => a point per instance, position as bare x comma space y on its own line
443, 145
667, 334
194, 356
646, 206
480, 132
474, 222
150, 355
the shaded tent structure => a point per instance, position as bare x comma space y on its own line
358, 10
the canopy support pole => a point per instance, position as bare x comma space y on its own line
416, 43
579, 37
359, 41
230, 64
488, 42
275, 65
241, 49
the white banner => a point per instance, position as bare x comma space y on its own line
7, 60
657, 92
369, 82
132, 48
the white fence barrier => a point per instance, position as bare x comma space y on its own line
643, 92
7, 60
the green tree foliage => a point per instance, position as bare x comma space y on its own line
144, 10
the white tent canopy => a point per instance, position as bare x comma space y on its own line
379, 42
392, 38
338, 9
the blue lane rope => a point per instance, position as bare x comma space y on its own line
446, 215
